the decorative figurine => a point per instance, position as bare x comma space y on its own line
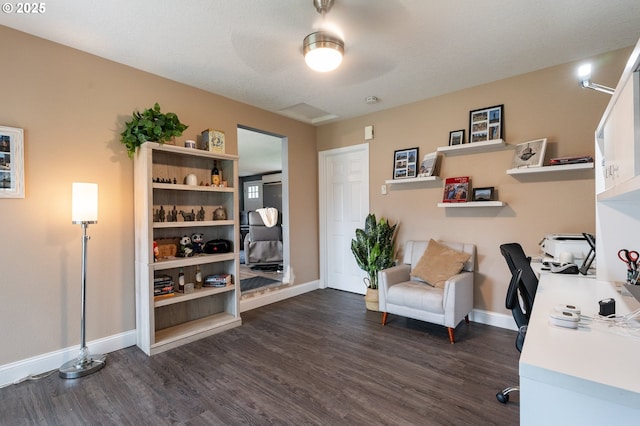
173, 215
188, 217
197, 243
220, 214
200, 216
186, 249
161, 214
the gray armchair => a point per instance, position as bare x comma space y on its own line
408, 296
262, 244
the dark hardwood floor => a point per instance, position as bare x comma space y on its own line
317, 359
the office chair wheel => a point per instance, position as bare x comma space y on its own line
504, 395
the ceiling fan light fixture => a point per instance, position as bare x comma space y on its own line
322, 51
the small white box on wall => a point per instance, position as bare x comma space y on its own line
368, 133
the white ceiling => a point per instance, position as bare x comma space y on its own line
401, 51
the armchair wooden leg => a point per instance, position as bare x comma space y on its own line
384, 318
466, 319
451, 336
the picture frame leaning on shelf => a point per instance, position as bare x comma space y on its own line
529, 154
405, 163
429, 165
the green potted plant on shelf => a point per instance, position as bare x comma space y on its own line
374, 250
150, 125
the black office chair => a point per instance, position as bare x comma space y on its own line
520, 308
517, 259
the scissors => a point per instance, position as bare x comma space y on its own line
630, 257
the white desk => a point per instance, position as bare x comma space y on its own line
588, 376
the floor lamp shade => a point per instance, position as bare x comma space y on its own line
84, 204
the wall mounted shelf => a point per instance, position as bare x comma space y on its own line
550, 169
473, 204
472, 148
413, 180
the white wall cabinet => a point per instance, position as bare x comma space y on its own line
164, 323
618, 174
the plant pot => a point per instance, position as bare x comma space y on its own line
371, 300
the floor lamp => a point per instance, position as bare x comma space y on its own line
84, 211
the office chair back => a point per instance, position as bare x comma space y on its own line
519, 306
517, 259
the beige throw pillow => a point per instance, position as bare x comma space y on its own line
439, 263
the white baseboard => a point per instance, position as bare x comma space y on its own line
493, 318
278, 295
19, 371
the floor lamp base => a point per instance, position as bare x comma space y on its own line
84, 365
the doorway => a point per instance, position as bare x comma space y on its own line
344, 205
263, 176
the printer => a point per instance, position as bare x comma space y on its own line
554, 244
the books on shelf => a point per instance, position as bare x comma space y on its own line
164, 296
571, 160
456, 190
163, 286
218, 280
429, 164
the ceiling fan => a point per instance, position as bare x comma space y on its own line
363, 26
323, 49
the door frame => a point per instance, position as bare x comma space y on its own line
322, 190
286, 249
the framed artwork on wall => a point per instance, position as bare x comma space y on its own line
456, 137
530, 154
486, 124
405, 163
11, 162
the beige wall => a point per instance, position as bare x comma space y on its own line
542, 104
72, 107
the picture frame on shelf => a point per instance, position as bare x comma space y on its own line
483, 194
529, 154
405, 163
11, 162
456, 190
486, 124
429, 165
456, 137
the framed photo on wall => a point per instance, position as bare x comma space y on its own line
405, 163
483, 194
11, 162
530, 154
456, 137
486, 124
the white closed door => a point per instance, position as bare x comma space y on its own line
344, 205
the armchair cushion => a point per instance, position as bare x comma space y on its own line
416, 295
439, 263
